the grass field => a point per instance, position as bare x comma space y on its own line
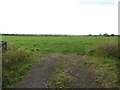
95, 49
78, 45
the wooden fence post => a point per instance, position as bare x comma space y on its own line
4, 46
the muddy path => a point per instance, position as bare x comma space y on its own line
43, 74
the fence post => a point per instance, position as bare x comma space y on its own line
4, 46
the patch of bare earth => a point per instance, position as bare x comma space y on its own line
40, 73
43, 73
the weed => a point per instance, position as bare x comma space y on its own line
104, 69
15, 64
61, 79
106, 50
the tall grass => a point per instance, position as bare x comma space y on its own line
105, 58
105, 70
109, 50
15, 63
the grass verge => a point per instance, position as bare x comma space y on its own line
15, 64
103, 61
105, 70
106, 50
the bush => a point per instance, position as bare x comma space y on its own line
106, 50
105, 35
112, 35
15, 64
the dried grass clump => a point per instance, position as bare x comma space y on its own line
107, 50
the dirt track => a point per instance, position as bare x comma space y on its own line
41, 73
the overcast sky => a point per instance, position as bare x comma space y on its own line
79, 17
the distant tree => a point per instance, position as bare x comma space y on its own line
105, 34
112, 35
100, 34
90, 35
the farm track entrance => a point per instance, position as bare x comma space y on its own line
43, 73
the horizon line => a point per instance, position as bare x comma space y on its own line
56, 34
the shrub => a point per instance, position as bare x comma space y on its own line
105, 34
15, 64
106, 50
112, 35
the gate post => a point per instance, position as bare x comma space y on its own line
4, 46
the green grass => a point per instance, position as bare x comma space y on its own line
61, 77
15, 63
109, 50
105, 70
46, 45
100, 51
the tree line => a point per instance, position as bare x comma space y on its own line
105, 34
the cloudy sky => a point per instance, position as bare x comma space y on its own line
79, 17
